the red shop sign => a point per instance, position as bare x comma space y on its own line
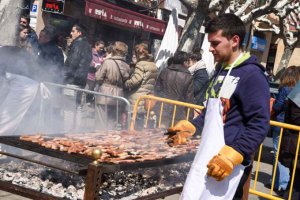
114, 14
54, 6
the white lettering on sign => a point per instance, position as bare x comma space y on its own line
153, 28
101, 12
138, 23
90, 10
121, 20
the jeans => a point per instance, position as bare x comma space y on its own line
282, 173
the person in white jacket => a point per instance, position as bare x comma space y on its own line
200, 76
18, 88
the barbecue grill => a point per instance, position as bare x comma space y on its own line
93, 173
84, 166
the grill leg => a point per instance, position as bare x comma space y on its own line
92, 182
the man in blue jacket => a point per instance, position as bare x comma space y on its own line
246, 111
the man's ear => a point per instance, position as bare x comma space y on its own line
235, 41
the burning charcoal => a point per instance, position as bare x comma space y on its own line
46, 186
19, 179
58, 190
2, 171
71, 192
104, 194
34, 184
149, 191
104, 184
8, 176
112, 193
80, 194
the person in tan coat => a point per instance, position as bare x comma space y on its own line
142, 80
111, 77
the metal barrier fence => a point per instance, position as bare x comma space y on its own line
163, 107
160, 103
253, 190
72, 109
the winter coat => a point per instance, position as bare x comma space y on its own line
278, 106
51, 59
78, 61
290, 137
246, 112
141, 82
110, 80
175, 82
97, 58
291, 116
33, 40
201, 81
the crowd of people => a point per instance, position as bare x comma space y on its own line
105, 68
284, 109
245, 99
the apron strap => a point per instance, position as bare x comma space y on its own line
228, 73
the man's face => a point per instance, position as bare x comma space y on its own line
24, 22
220, 46
75, 33
99, 47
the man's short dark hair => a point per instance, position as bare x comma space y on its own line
27, 17
196, 54
230, 24
81, 29
170, 61
180, 57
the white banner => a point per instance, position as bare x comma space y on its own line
169, 43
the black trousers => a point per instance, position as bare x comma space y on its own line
240, 189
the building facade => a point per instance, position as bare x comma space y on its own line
124, 20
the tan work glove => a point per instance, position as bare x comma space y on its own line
181, 131
221, 165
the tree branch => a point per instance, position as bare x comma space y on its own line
242, 9
262, 10
273, 27
190, 4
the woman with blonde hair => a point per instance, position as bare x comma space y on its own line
288, 80
111, 77
142, 80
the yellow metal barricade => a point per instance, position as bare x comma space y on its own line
254, 190
161, 102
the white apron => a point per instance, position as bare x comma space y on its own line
198, 185
22, 91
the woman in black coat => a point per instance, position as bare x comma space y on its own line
175, 82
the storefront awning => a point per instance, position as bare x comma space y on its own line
123, 17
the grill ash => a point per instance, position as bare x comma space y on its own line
118, 185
